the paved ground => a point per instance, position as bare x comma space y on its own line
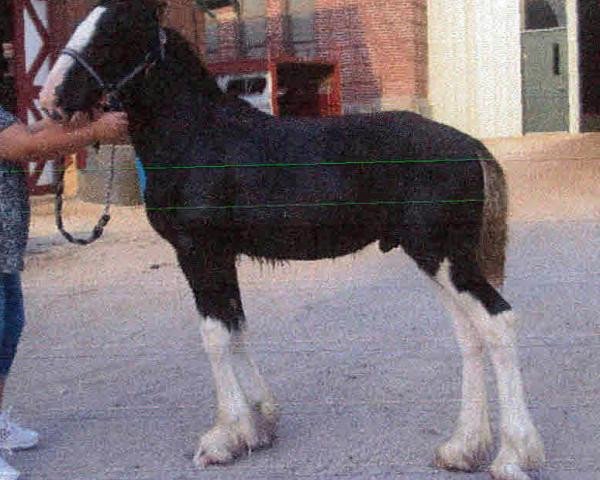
358, 351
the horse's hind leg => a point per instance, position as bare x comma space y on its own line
469, 446
247, 414
493, 319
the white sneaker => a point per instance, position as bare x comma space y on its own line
15, 437
7, 472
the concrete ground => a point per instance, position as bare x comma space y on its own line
358, 351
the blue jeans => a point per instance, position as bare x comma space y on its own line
12, 319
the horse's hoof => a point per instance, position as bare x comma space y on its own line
220, 445
508, 472
203, 460
225, 442
459, 455
510, 462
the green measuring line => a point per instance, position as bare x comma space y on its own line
313, 205
280, 165
310, 164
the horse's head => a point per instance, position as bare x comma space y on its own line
116, 38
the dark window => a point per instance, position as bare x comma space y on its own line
300, 27
211, 32
253, 28
246, 86
543, 14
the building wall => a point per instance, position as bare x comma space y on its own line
180, 14
184, 16
475, 65
386, 39
381, 48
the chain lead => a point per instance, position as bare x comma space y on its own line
104, 219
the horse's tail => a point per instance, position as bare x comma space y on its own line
491, 254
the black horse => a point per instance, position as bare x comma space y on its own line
225, 179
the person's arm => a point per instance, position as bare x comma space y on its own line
39, 125
19, 144
78, 120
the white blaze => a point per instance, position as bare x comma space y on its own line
78, 42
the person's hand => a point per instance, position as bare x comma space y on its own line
111, 127
79, 120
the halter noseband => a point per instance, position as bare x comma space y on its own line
111, 90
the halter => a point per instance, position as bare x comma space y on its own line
111, 90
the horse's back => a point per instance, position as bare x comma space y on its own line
390, 157
370, 136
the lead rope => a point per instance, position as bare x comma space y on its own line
104, 219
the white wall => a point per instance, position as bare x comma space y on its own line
574, 73
475, 65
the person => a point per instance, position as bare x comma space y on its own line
18, 144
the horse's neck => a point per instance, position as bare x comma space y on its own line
173, 108
166, 111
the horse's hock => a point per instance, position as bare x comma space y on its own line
93, 179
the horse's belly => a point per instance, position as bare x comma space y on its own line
305, 243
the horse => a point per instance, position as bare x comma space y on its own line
224, 180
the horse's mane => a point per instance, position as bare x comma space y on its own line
192, 67
179, 48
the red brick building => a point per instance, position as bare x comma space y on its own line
367, 55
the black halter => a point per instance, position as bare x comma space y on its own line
111, 90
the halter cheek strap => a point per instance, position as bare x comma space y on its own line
83, 62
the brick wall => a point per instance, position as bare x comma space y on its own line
381, 49
184, 16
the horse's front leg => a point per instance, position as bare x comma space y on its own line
247, 412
